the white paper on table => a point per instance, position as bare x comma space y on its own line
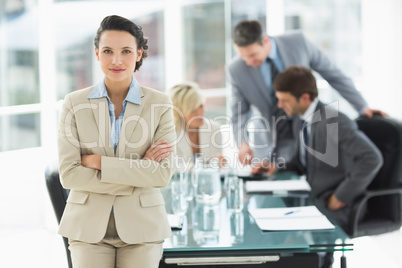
277, 186
290, 218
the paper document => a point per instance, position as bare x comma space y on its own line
290, 218
277, 186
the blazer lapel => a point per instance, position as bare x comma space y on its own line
296, 145
296, 133
289, 51
283, 51
318, 122
255, 73
317, 145
183, 146
100, 110
204, 137
310, 157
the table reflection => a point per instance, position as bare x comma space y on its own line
180, 237
236, 227
206, 224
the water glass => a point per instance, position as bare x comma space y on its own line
188, 185
234, 194
178, 195
184, 167
229, 175
208, 184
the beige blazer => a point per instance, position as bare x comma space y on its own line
126, 182
210, 137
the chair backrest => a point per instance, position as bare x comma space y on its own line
58, 195
386, 134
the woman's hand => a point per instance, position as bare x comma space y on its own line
91, 161
158, 151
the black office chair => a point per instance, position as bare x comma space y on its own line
58, 196
383, 198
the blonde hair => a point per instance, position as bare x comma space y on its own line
186, 97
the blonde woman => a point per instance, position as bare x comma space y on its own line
195, 133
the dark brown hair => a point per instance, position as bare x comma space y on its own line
247, 32
117, 23
296, 80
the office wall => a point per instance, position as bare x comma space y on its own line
382, 54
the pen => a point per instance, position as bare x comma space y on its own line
291, 212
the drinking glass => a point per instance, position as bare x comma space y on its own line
178, 195
184, 168
208, 182
234, 194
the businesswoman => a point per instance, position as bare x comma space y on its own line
195, 133
114, 154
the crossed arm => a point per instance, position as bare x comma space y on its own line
158, 151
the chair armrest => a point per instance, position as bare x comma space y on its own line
372, 193
361, 201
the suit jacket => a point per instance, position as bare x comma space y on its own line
341, 160
126, 183
210, 142
249, 91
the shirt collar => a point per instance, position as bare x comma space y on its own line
273, 54
308, 114
133, 94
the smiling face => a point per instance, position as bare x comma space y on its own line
117, 55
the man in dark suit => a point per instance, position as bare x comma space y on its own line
339, 160
260, 58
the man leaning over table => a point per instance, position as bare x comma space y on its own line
338, 159
260, 58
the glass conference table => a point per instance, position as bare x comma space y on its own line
214, 236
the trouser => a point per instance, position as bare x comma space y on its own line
112, 252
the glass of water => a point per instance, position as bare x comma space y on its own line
208, 182
186, 178
178, 195
234, 194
